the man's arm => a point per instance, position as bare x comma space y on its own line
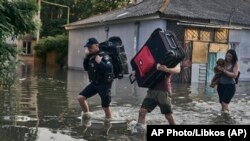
86, 63
173, 70
86, 59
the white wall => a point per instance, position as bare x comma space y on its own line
147, 27
243, 51
77, 39
195, 73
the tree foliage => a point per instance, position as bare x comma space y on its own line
54, 17
16, 18
57, 43
85, 8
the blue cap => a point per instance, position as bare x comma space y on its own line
90, 42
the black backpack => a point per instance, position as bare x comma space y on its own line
115, 49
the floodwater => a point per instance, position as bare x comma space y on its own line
43, 107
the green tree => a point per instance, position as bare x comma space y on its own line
54, 17
16, 18
85, 8
58, 43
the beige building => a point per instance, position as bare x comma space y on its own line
25, 46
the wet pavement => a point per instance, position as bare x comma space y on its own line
43, 106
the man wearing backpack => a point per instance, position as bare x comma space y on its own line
100, 71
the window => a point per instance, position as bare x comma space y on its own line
27, 47
207, 35
192, 34
221, 35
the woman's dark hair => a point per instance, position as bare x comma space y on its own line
234, 55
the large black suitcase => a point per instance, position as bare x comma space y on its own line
114, 47
161, 47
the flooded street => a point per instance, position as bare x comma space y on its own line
43, 107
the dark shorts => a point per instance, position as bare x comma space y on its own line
160, 98
226, 92
102, 89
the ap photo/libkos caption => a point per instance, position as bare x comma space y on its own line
239, 132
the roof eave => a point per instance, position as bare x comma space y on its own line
116, 21
204, 22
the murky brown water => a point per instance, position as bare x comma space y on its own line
43, 107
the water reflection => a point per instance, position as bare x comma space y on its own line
43, 106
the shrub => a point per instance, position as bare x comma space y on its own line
57, 43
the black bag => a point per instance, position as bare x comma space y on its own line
237, 78
161, 47
115, 49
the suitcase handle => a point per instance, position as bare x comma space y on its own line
171, 41
130, 79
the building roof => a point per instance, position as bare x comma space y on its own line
214, 11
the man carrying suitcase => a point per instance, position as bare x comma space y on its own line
158, 95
